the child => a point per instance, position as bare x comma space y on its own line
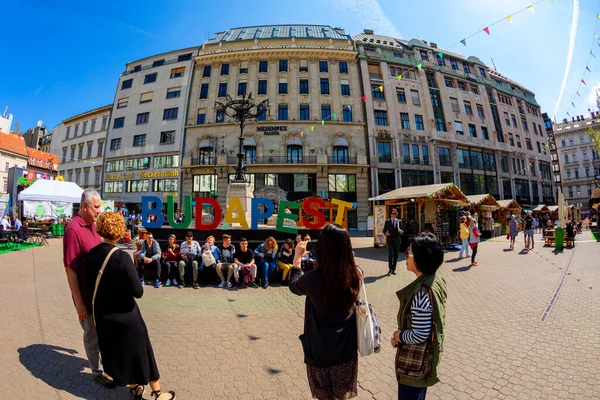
474, 240
464, 237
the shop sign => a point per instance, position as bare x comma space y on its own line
159, 174
271, 130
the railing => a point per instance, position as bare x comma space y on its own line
268, 159
385, 159
342, 160
202, 161
378, 77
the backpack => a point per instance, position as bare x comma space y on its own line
247, 275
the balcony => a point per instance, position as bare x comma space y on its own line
376, 77
202, 161
385, 159
268, 159
343, 160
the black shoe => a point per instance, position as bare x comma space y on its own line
265, 285
389, 273
254, 285
105, 381
394, 272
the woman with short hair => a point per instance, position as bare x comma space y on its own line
329, 340
420, 319
125, 347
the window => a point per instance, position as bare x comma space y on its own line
146, 97
414, 94
201, 118
585, 156
250, 154
115, 144
137, 186
104, 122
242, 85
454, 64
347, 111
167, 137
283, 65
262, 115
220, 116
139, 140
138, 163
484, 133
514, 120
343, 67
576, 173
166, 185
206, 71
127, 84
283, 86
401, 95
506, 120
571, 141
158, 63
86, 177
504, 163
386, 180
440, 60
170, 113
68, 132
323, 66
142, 118
303, 66
282, 112
574, 157
244, 67
204, 183
100, 148
118, 123
184, 57
431, 81
482, 72
64, 158
166, 162
222, 89
204, 91
384, 151
424, 55
444, 153
294, 154
459, 128
425, 154
113, 187
324, 86
340, 155
304, 112
262, 86
472, 131
377, 92
474, 89
528, 144
76, 130
406, 153
404, 121
480, 111
303, 86
122, 102
83, 128
89, 150
325, 112
466, 68
112, 166
150, 78
224, 69
454, 105
398, 55
345, 85
539, 147
581, 140
524, 124
587, 171
566, 158
468, 109
419, 123
177, 72
263, 66
462, 86
381, 118
342, 183
415, 154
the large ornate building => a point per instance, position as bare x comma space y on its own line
434, 117
310, 74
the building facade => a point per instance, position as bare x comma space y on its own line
13, 153
311, 140
579, 162
145, 136
79, 142
437, 117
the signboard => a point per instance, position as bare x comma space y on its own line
300, 182
4, 198
107, 205
271, 130
378, 223
47, 209
30, 176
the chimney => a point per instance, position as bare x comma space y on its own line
368, 32
583, 119
573, 118
577, 116
433, 45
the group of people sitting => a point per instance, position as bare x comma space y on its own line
247, 267
12, 229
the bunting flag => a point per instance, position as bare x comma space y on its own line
588, 68
441, 55
381, 88
582, 81
399, 77
509, 19
464, 41
598, 16
312, 128
420, 66
364, 98
487, 30
530, 8
572, 104
578, 94
322, 122
592, 54
334, 115
596, 35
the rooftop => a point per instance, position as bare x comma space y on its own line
14, 143
577, 123
266, 32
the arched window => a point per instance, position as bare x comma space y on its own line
294, 150
340, 151
249, 150
205, 152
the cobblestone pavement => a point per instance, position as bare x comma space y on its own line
218, 344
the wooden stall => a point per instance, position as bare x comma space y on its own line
431, 208
507, 208
485, 206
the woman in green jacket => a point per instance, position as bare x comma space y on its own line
420, 319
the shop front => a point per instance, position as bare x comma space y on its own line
127, 188
485, 207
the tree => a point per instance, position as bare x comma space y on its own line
595, 135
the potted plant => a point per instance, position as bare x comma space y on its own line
138, 245
142, 233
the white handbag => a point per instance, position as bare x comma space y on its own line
209, 258
365, 336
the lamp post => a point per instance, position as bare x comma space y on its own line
242, 109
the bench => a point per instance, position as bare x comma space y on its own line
549, 240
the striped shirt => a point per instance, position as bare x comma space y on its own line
420, 311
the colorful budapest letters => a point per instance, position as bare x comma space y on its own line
261, 208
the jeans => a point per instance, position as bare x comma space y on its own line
464, 247
170, 266
90, 344
183, 264
153, 264
406, 392
267, 267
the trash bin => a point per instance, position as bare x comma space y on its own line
54, 229
560, 238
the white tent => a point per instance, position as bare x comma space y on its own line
50, 199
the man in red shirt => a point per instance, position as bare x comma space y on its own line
80, 237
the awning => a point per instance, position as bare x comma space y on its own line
552, 208
595, 206
205, 143
483, 199
541, 208
595, 194
340, 142
511, 204
412, 192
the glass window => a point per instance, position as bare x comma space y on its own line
294, 154
137, 186
222, 89
345, 86
244, 67
377, 93
126, 84
347, 113
220, 116
324, 86
115, 144
206, 71
384, 151
113, 166
204, 183
138, 163
425, 154
142, 118
419, 122
166, 162
445, 160
343, 67
404, 121
177, 72
113, 187
250, 154
386, 180
282, 112
480, 111
118, 123
150, 78
170, 113
201, 118
325, 112
462, 86
303, 66
283, 65
204, 91
242, 88
323, 66
262, 115
139, 140
472, 131
283, 86
303, 86
484, 133
381, 118
262, 86
458, 128
224, 69
342, 183
304, 112
167, 137
468, 109
263, 66
340, 155
123, 102
147, 97
205, 155
414, 94
166, 185
406, 153
454, 104
401, 95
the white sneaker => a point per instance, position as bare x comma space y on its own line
228, 284
222, 284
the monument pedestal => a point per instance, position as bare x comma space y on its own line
241, 190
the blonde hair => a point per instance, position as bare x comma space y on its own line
270, 239
110, 225
211, 237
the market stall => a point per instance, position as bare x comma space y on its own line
484, 206
431, 208
507, 208
50, 199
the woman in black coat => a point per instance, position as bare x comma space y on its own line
125, 347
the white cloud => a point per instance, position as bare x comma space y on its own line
370, 14
592, 97
572, 35
136, 29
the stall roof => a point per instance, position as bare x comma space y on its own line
48, 190
595, 194
541, 207
509, 203
420, 191
486, 199
552, 208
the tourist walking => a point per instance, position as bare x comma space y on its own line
464, 237
392, 230
420, 319
79, 238
513, 230
474, 236
528, 226
329, 340
122, 334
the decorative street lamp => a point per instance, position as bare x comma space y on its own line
241, 110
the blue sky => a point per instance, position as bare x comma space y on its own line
63, 58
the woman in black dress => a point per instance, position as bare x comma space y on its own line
127, 354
